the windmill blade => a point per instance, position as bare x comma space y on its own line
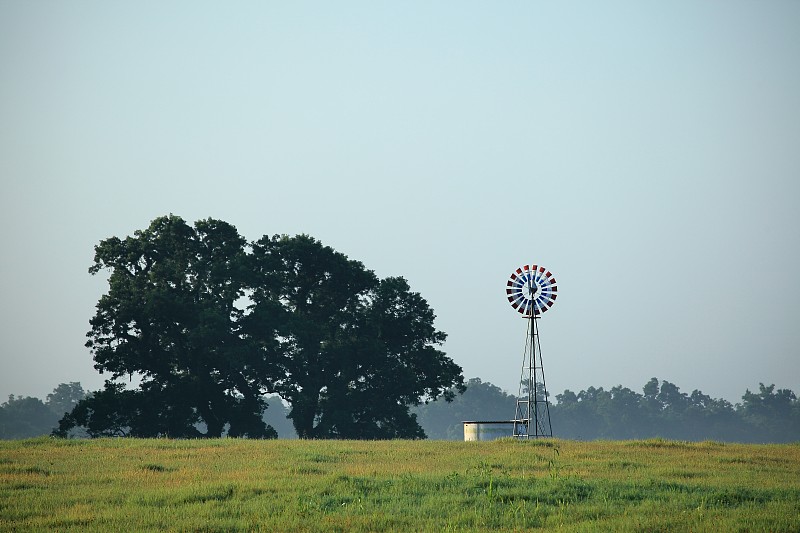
531, 289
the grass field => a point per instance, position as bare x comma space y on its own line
292, 485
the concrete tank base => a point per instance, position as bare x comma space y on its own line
491, 430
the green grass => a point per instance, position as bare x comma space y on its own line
229, 485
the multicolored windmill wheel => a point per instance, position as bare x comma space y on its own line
531, 290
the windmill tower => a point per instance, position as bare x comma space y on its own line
532, 291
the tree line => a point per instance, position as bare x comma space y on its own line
24, 417
660, 410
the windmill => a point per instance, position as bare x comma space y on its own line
532, 291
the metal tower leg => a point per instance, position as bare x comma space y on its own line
532, 417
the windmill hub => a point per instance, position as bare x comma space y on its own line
530, 292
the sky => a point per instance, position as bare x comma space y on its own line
646, 153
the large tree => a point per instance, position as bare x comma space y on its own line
209, 324
355, 351
170, 318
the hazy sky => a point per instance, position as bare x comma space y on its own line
647, 153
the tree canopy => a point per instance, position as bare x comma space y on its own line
354, 352
169, 317
209, 324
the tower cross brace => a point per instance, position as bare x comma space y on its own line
532, 417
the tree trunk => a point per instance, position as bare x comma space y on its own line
304, 410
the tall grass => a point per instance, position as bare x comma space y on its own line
229, 485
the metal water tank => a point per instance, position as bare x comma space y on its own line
488, 430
